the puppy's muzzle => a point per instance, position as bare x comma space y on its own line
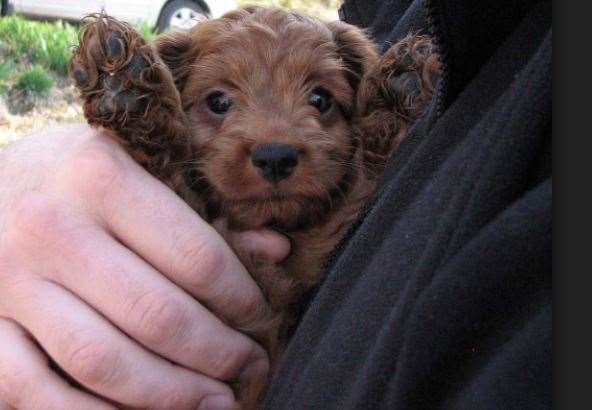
275, 161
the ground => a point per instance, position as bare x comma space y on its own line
60, 106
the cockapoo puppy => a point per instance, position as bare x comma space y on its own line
261, 118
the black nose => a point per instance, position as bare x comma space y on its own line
276, 161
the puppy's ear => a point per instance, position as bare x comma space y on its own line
358, 52
176, 51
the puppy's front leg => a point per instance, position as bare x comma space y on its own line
128, 90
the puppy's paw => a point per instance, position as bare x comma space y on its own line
393, 95
113, 68
126, 88
406, 75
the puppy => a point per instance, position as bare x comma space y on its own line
262, 118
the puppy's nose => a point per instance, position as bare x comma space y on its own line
276, 161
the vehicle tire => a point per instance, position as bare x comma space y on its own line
6, 9
179, 14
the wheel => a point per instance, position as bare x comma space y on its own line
179, 14
6, 7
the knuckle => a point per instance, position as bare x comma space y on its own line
15, 385
254, 309
226, 364
201, 263
38, 228
36, 219
176, 397
92, 362
6, 261
162, 319
92, 168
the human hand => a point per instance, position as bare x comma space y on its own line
106, 271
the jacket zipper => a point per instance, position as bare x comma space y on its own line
434, 29
434, 24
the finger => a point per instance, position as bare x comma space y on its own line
100, 357
26, 382
136, 298
130, 293
151, 220
266, 244
5, 406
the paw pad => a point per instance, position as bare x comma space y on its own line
406, 83
114, 47
112, 83
136, 65
406, 60
129, 102
107, 105
80, 74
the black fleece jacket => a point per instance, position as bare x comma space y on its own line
441, 295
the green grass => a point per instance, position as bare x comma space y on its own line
146, 31
40, 48
47, 44
6, 70
35, 79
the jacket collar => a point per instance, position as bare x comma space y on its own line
467, 31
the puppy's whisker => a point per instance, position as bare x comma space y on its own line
191, 162
349, 164
325, 193
337, 189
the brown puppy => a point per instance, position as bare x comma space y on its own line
262, 118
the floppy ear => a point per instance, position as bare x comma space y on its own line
176, 51
358, 52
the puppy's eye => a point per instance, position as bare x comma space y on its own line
219, 102
321, 99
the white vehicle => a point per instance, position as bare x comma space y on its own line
160, 14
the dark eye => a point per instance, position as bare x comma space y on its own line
219, 102
321, 99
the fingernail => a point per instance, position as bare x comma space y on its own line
216, 403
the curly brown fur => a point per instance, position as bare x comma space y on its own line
156, 99
395, 94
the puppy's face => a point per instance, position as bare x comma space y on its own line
270, 102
